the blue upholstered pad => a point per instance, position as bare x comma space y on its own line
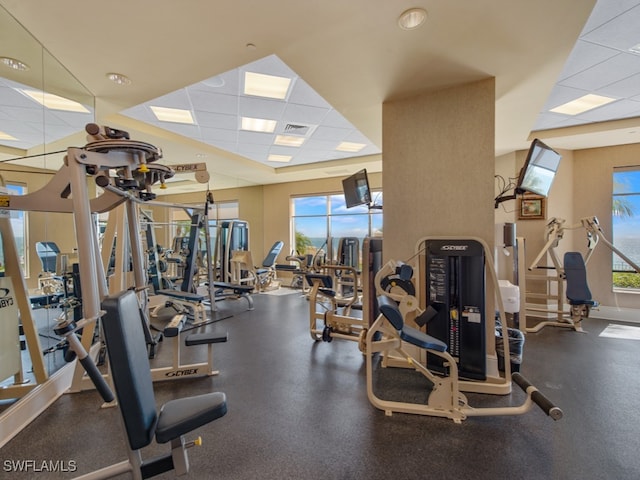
419, 339
390, 310
181, 416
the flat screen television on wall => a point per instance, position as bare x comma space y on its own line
356, 189
539, 169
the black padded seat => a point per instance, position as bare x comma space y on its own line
205, 338
578, 292
181, 416
179, 294
392, 313
239, 289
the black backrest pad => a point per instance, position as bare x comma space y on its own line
390, 310
130, 368
576, 275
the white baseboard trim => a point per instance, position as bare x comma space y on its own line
20, 414
603, 312
616, 314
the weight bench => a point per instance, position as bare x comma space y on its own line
185, 302
226, 290
131, 376
578, 293
172, 330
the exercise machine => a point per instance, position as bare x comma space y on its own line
576, 281
142, 422
332, 298
389, 333
453, 355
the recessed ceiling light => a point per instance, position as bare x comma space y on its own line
14, 64
279, 158
582, 104
174, 115
350, 147
289, 140
6, 136
268, 86
412, 18
54, 102
258, 125
119, 78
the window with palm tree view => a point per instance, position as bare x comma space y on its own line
626, 226
318, 222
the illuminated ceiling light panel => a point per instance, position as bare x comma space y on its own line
258, 125
350, 147
54, 102
582, 104
6, 136
279, 158
289, 141
266, 85
174, 115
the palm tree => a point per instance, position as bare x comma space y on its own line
302, 243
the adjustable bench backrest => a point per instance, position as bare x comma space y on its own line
576, 276
272, 256
130, 369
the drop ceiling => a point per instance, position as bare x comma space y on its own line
345, 59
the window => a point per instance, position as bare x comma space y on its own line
626, 226
314, 219
19, 227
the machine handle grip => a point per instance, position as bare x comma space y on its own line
97, 379
538, 397
87, 363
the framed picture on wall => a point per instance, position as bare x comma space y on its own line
532, 207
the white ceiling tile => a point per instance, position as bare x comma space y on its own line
178, 99
584, 56
604, 73
255, 107
627, 87
255, 138
607, 10
216, 120
307, 115
204, 101
621, 32
218, 135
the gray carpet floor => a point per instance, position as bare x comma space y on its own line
298, 409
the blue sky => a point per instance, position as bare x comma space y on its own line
625, 182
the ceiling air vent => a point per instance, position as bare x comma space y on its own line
298, 129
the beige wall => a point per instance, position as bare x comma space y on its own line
438, 166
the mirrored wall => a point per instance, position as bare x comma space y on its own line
43, 110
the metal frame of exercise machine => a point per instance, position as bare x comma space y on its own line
555, 230
328, 305
391, 336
